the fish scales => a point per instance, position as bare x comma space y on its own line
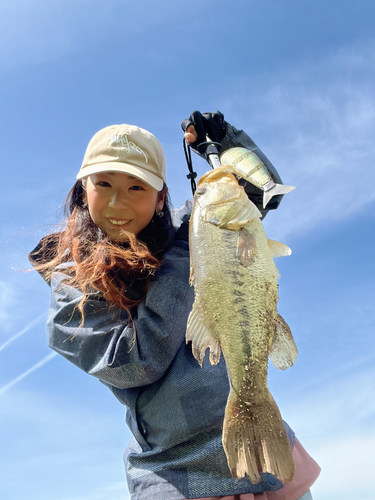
235, 311
239, 312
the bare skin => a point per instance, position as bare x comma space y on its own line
191, 134
120, 203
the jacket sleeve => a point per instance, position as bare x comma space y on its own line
108, 346
238, 138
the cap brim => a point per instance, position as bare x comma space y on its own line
144, 175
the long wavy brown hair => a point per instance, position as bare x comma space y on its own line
92, 261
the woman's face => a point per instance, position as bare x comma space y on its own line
118, 202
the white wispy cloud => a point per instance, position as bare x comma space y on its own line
80, 435
114, 491
28, 372
341, 477
315, 120
41, 31
335, 422
7, 300
27, 328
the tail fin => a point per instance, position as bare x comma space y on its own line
255, 440
276, 189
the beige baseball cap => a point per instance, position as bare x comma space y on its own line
127, 149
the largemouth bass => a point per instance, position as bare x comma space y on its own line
235, 311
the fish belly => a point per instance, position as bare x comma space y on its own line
235, 310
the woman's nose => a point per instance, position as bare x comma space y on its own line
119, 199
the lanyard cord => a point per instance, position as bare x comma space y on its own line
192, 175
208, 150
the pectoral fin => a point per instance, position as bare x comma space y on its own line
278, 249
200, 336
246, 248
283, 351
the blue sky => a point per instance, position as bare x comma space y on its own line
298, 76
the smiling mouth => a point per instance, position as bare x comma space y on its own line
119, 222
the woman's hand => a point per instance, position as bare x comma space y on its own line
200, 125
191, 134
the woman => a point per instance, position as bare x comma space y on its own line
119, 276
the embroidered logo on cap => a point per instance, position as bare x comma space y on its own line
128, 145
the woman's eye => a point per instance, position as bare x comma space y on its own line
103, 184
137, 188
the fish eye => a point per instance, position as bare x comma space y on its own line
201, 190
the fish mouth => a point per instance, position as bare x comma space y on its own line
218, 174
